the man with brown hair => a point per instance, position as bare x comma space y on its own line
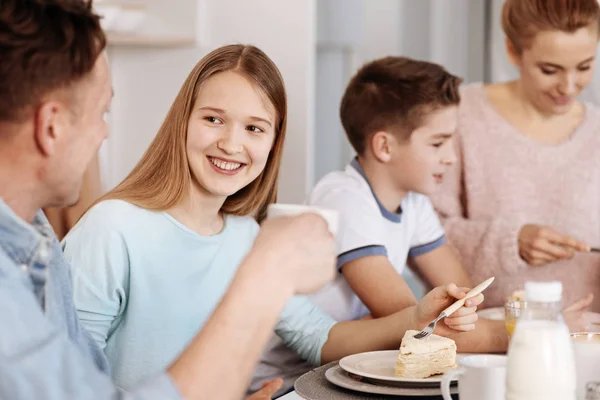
55, 91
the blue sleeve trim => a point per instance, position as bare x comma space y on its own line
355, 254
426, 248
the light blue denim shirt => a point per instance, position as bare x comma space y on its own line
45, 354
144, 285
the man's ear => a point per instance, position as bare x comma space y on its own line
48, 120
381, 146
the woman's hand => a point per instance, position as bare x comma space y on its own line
575, 314
540, 245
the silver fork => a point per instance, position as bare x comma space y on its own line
455, 306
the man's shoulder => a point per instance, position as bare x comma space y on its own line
9, 269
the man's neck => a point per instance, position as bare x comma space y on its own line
19, 199
18, 190
384, 189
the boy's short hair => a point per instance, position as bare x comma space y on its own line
394, 93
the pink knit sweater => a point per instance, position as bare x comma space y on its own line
503, 180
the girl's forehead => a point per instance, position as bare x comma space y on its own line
234, 92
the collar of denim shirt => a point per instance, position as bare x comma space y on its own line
21, 240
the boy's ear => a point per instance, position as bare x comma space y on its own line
381, 146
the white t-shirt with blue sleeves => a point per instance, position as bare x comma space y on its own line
144, 285
366, 228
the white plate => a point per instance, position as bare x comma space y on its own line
593, 318
495, 313
339, 377
381, 365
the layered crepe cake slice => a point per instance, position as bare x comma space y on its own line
423, 358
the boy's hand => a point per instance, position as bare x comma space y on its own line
267, 390
439, 299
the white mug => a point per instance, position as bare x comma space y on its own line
480, 377
586, 347
330, 216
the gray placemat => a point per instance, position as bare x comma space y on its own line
314, 386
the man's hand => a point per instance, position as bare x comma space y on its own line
299, 249
439, 299
267, 390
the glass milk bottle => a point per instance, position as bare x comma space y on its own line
541, 364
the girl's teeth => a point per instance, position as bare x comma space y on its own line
227, 166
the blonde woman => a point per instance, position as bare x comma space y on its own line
521, 202
154, 256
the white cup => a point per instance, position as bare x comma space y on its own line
586, 347
480, 377
330, 216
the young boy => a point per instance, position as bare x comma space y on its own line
399, 115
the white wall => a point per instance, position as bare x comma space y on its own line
332, 149
147, 79
500, 67
341, 32
457, 37
383, 28
146, 82
286, 31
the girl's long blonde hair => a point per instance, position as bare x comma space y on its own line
162, 177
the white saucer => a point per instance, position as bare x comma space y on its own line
339, 377
381, 365
497, 313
